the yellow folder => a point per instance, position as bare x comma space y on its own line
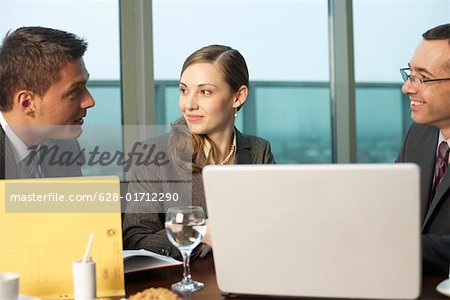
45, 226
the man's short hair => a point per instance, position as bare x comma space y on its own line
441, 32
31, 58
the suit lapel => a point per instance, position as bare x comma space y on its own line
243, 155
421, 149
2, 154
8, 163
427, 163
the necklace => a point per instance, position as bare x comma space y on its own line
233, 148
228, 156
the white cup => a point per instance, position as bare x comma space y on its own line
9, 286
84, 285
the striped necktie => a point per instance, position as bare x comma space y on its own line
29, 167
441, 164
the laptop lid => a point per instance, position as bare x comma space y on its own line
347, 231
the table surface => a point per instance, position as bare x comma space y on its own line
203, 271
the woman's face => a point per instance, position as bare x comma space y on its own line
206, 100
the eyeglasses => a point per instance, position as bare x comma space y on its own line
417, 82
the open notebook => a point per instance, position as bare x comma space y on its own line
143, 260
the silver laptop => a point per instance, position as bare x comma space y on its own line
346, 231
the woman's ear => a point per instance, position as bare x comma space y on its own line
25, 100
240, 96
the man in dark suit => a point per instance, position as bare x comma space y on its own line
427, 83
43, 100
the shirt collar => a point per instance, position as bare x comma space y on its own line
442, 139
19, 148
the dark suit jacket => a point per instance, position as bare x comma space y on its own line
420, 148
8, 166
146, 230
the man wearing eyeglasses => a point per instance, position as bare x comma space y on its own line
427, 83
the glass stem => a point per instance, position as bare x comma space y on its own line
186, 267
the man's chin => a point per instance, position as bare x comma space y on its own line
67, 132
73, 132
417, 119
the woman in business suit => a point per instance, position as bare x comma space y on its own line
214, 85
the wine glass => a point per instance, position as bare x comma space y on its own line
185, 228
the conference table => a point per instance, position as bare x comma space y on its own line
203, 271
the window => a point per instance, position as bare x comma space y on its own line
98, 22
285, 44
386, 34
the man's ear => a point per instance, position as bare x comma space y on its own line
240, 96
26, 102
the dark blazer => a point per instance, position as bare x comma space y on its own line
8, 166
420, 148
146, 230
